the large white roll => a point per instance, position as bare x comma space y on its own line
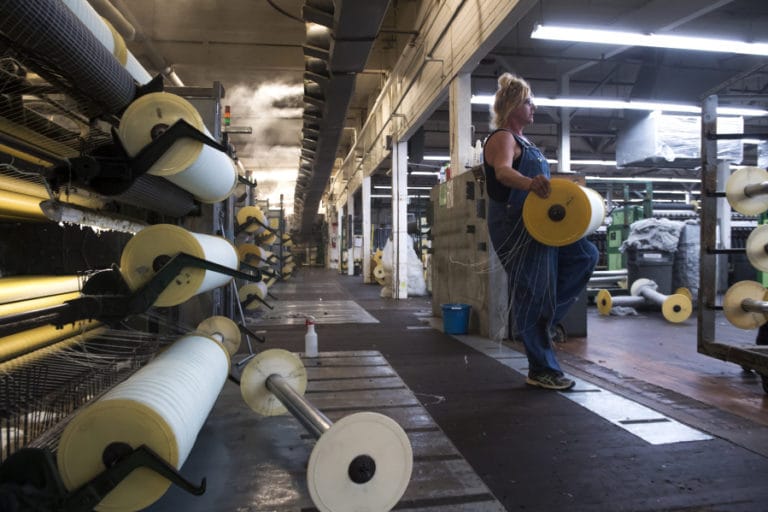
162, 406
569, 213
152, 247
205, 172
109, 38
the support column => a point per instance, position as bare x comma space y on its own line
351, 234
564, 144
339, 237
400, 237
460, 113
366, 249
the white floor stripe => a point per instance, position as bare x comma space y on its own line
647, 424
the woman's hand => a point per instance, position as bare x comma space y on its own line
540, 186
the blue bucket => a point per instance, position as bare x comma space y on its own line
456, 318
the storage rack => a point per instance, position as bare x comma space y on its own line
749, 356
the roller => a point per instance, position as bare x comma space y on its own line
379, 274
570, 213
25, 342
247, 292
253, 218
676, 308
207, 173
153, 247
362, 462
757, 248
162, 406
224, 330
747, 190
254, 255
19, 288
745, 304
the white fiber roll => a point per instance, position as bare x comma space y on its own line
109, 38
150, 248
205, 172
163, 406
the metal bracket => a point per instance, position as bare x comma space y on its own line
112, 308
31, 477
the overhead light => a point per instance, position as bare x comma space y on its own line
639, 179
576, 103
424, 173
621, 38
607, 163
437, 158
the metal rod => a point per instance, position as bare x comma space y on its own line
754, 306
606, 279
756, 189
308, 415
652, 295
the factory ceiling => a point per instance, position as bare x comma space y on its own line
305, 94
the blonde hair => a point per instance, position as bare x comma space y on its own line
512, 92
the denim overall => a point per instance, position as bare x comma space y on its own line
543, 281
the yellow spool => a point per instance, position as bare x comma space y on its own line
245, 213
604, 302
205, 172
736, 314
258, 289
224, 330
738, 199
21, 207
150, 248
570, 213
162, 406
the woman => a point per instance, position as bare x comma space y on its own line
544, 281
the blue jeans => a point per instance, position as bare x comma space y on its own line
543, 282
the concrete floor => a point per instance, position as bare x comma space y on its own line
524, 448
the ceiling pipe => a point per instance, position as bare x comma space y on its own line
153, 54
108, 11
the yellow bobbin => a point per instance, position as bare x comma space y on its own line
245, 213
253, 382
676, 308
568, 214
734, 310
251, 290
604, 302
735, 190
146, 253
224, 330
757, 248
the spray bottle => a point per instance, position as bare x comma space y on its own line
310, 338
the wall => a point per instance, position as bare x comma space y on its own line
464, 267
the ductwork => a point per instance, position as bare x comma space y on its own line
332, 58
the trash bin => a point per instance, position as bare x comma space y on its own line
655, 265
456, 318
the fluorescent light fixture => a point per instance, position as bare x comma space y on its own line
577, 103
424, 173
437, 158
621, 38
635, 179
606, 163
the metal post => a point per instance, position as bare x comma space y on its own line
308, 415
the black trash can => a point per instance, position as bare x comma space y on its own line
655, 265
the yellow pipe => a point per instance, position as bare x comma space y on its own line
18, 288
8, 150
21, 205
23, 306
25, 342
36, 140
69, 195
